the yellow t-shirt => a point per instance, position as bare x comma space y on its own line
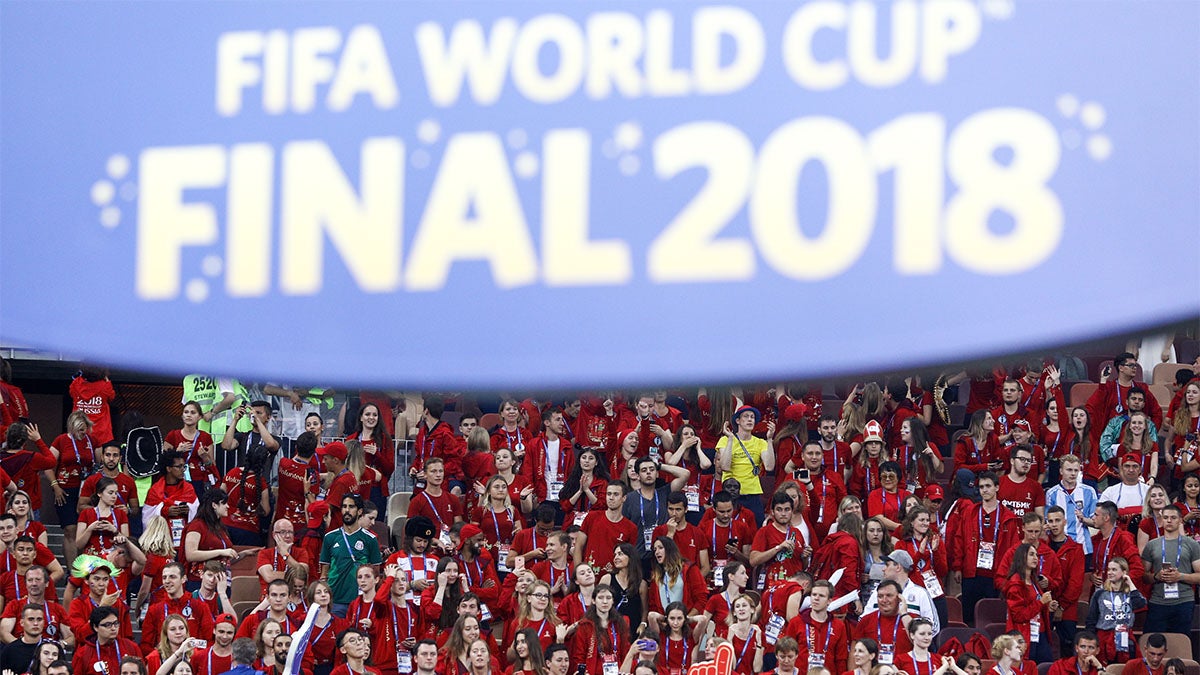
742, 467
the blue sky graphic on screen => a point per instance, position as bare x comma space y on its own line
499, 194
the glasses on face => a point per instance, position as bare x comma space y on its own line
1127, 364
179, 466
109, 624
1023, 459
540, 596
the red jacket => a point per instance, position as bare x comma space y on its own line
1025, 605
1070, 561
1110, 400
831, 638
1049, 567
839, 550
534, 466
439, 442
930, 554
968, 454
964, 534
695, 592
594, 428
1070, 666
1119, 544
87, 655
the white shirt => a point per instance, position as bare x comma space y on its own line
552, 468
1126, 496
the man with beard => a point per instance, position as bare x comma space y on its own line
110, 467
343, 550
480, 570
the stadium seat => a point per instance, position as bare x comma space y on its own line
1080, 393
993, 630
245, 589
397, 505
1164, 373
1190, 667
954, 610
1115, 669
1179, 646
1044, 668
990, 610
242, 609
489, 420
1162, 394
988, 664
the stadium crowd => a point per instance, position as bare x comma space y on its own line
612, 534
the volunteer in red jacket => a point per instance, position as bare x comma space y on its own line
977, 450
924, 544
1110, 397
1029, 607
1010, 410
435, 438
887, 501
1113, 542
841, 550
822, 638
1153, 661
103, 645
979, 534
548, 461
1084, 662
1048, 575
1071, 561
824, 486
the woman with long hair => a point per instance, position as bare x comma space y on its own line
537, 613
462, 633
102, 523
673, 636
76, 453
156, 543
264, 643
1183, 432
322, 643
920, 459
719, 609
625, 581
1136, 441
46, 653
1085, 444
877, 545
376, 443
584, 486
602, 636
864, 474
173, 645
249, 498
372, 486
849, 504
921, 540
19, 507
850, 427
672, 579
480, 660
626, 454
439, 602
701, 485
977, 450
205, 538
1149, 528
498, 518
843, 550
1189, 504
530, 659
196, 446
1029, 607
864, 655
1111, 612
747, 638
1055, 434
520, 491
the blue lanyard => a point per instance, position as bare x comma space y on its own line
1178, 551
433, 507
496, 523
612, 631
396, 627
811, 639
683, 661
879, 629
116, 644
745, 646
995, 524
714, 535
642, 508
566, 571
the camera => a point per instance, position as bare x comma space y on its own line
199, 644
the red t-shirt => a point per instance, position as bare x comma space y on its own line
343, 484
99, 542
25, 468
782, 565
205, 662
93, 398
56, 616
689, 539
126, 488
270, 556
74, 458
43, 556
209, 541
245, 496
1021, 497
442, 509
297, 480
497, 526
603, 535
197, 469
12, 587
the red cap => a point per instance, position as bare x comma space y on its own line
469, 530
316, 514
336, 449
1023, 423
795, 412
225, 618
1131, 458
933, 492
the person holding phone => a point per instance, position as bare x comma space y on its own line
1172, 564
1029, 606
174, 645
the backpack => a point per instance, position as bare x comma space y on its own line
952, 648
980, 646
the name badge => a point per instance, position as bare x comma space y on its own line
986, 557
556, 487
887, 654
485, 613
648, 537
816, 660
1121, 637
1035, 630
1171, 591
932, 584
444, 538
719, 572
177, 525
761, 582
404, 662
692, 493
774, 628
610, 666
580, 517
502, 557
654, 453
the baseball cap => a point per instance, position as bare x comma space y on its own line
336, 449
901, 558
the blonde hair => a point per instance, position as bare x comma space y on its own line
487, 491
1127, 437
356, 459
164, 644
1183, 415
78, 422
157, 538
1002, 644
1148, 512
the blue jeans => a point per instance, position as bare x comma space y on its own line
755, 504
1169, 618
339, 609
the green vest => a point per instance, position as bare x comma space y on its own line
204, 390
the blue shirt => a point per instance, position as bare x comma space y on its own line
1082, 494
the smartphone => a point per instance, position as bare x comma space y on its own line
582, 670
647, 645
802, 474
